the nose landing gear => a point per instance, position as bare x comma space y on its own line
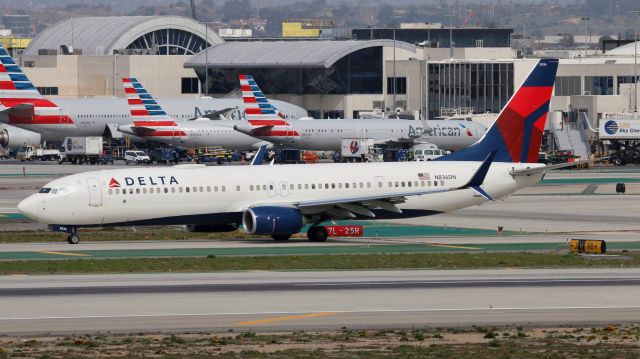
73, 238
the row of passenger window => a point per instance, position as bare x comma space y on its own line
193, 189
264, 187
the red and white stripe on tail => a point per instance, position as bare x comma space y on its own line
263, 118
149, 119
258, 110
21, 101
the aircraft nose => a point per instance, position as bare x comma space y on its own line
29, 207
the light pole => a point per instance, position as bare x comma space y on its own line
524, 14
635, 61
206, 56
586, 33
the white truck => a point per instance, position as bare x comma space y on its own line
359, 150
426, 152
81, 150
30, 153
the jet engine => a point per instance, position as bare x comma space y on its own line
272, 220
14, 137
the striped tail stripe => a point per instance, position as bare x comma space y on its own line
258, 109
149, 119
16, 89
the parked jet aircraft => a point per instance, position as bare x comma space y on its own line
151, 122
21, 105
326, 135
280, 200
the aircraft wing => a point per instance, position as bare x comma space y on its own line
249, 129
215, 115
530, 171
143, 131
393, 141
349, 207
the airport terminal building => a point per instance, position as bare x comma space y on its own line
88, 56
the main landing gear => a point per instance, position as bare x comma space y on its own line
314, 234
317, 234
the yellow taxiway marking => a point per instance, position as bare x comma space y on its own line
67, 254
288, 317
450, 246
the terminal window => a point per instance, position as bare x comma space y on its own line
598, 85
567, 86
401, 85
48, 90
189, 85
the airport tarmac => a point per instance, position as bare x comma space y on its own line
307, 300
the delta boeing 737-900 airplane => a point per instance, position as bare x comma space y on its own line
278, 200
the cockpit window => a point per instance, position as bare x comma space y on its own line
44, 190
54, 191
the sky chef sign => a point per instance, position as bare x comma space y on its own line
618, 129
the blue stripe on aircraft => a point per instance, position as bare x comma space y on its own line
13, 68
7, 60
18, 77
24, 86
141, 91
137, 85
157, 113
146, 96
153, 107
149, 102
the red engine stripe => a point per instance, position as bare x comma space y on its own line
245, 88
249, 99
36, 102
126, 79
129, 90
41, 120
167, 134
134, 101
154, 123
268, 122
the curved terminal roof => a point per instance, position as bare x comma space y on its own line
625, 50
103, 35
290, 54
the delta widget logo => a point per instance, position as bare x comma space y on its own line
114, 184
354, 147
611, 127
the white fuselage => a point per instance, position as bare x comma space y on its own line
92, 116
194, 194
205, 132
327, 135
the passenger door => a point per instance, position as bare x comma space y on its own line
95, 192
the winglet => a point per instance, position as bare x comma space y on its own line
258, 158
478, 178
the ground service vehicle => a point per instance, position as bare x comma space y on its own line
164, 155
81, 150
136, 157
31, 153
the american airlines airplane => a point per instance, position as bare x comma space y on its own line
326, 135
280, 200
22, 106
151, 122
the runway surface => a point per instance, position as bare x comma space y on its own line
266, 301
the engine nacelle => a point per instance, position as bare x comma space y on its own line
211, 227
15, 137
272, 220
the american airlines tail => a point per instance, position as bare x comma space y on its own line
149, 119
263, 120
22, 104
516, 134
